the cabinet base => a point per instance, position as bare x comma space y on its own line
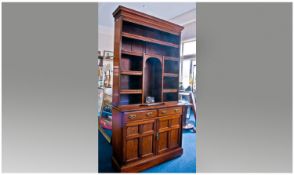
148, 162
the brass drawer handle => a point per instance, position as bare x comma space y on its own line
163, 112
132, 116
149, 113
177, 110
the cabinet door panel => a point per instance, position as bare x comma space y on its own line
169, 133
132, 150
140, 140
147, 146
132, 130
148, 127
162, 142
174, 138
163, 124
175, 122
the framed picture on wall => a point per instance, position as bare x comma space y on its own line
108, 54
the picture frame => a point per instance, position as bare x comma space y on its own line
107, 54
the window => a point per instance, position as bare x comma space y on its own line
188, 64
186, 73
189, 48
194, 75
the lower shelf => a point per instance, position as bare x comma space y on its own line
148, 162
127, 99
170, 96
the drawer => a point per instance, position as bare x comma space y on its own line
131, 116
170, 111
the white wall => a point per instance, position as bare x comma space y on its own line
105, 38
188, 21
189, 31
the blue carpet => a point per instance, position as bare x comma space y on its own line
184, 164
105, 153
108, 132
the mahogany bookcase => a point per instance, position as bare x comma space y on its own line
146, 64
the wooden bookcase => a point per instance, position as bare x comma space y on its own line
146, 63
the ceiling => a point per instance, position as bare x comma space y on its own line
161, 10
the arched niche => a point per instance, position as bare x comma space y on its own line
153, 79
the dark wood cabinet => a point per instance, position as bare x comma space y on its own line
146, 64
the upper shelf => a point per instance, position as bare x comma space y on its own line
131, 91
127, 72
140, 54
171, 58
170, 90
147, 39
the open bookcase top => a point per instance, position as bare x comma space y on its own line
147, 20
146, 59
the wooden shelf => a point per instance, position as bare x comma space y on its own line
170, 75
131, 91
171, 59
131, 72
169, 90
147, 39
139, 54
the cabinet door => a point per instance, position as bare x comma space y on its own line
169, 133
140, 140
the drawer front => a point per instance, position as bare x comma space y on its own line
170, 111
133, 116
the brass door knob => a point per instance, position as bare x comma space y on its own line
177, 110
163, 112
149, 114
132, 116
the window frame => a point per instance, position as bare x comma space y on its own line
191, 57
182, 48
